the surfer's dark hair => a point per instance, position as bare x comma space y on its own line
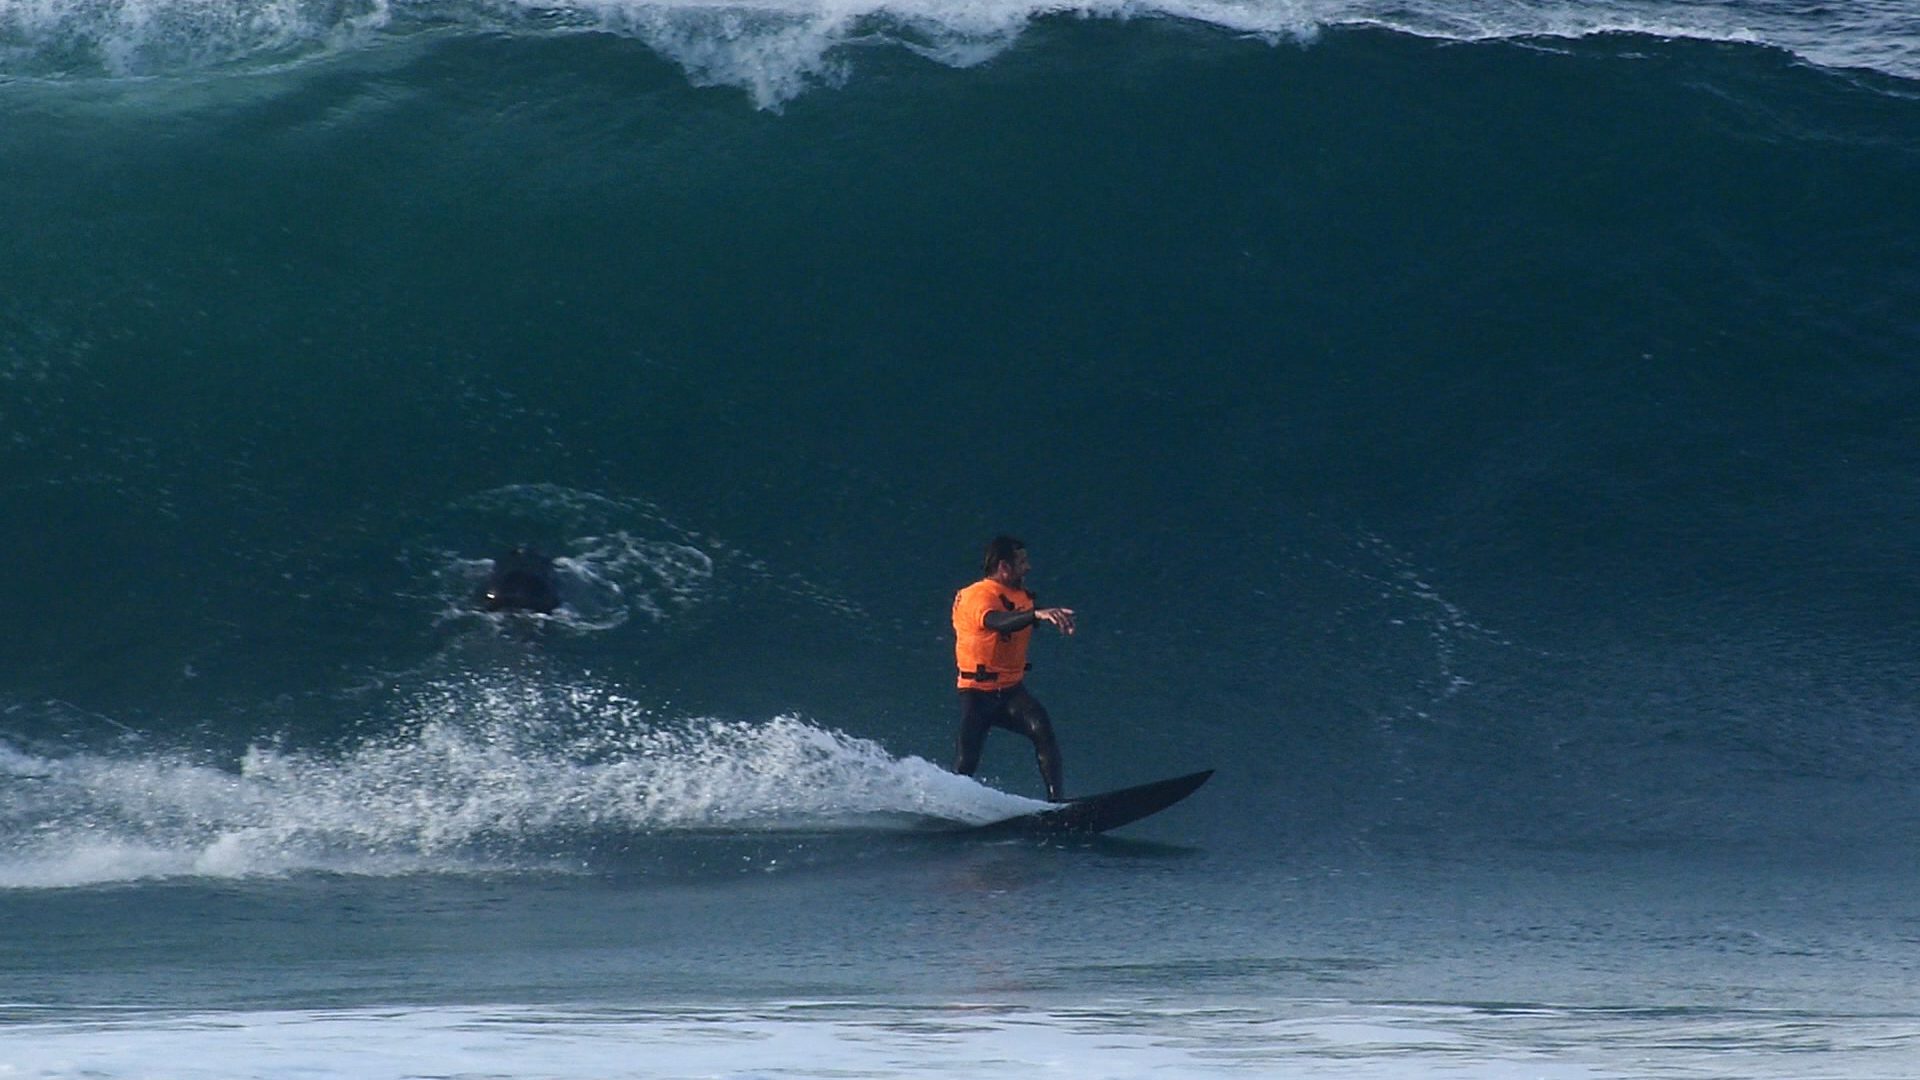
1001, 549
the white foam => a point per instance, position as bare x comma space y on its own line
490, 773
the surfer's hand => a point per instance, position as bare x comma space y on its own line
1060, 617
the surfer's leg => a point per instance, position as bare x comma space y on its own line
1031, 717
977, 710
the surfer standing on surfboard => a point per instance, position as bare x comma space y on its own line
992, 622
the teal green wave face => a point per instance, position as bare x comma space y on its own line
1486, 439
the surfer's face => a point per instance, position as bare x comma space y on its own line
1015, 571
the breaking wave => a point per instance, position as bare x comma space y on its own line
776, 49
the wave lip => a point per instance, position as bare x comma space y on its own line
157, 37
776, 49
1877, 35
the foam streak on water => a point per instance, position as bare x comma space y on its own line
1304, 1039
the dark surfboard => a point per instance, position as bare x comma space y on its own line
1098, 813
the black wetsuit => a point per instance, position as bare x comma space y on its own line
1014, 709
521, 580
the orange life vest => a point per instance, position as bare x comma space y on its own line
987, 660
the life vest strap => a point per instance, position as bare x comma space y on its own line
981, 674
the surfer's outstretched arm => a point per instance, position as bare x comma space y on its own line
1060, 617
1011, 622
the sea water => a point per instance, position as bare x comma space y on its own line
1484, 434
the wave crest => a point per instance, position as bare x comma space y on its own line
776, 49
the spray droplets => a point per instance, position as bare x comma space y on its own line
489, 775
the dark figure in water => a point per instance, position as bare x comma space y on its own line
521, 580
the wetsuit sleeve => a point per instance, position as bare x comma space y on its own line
1009, 622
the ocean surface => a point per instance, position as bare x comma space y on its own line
1488, 434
